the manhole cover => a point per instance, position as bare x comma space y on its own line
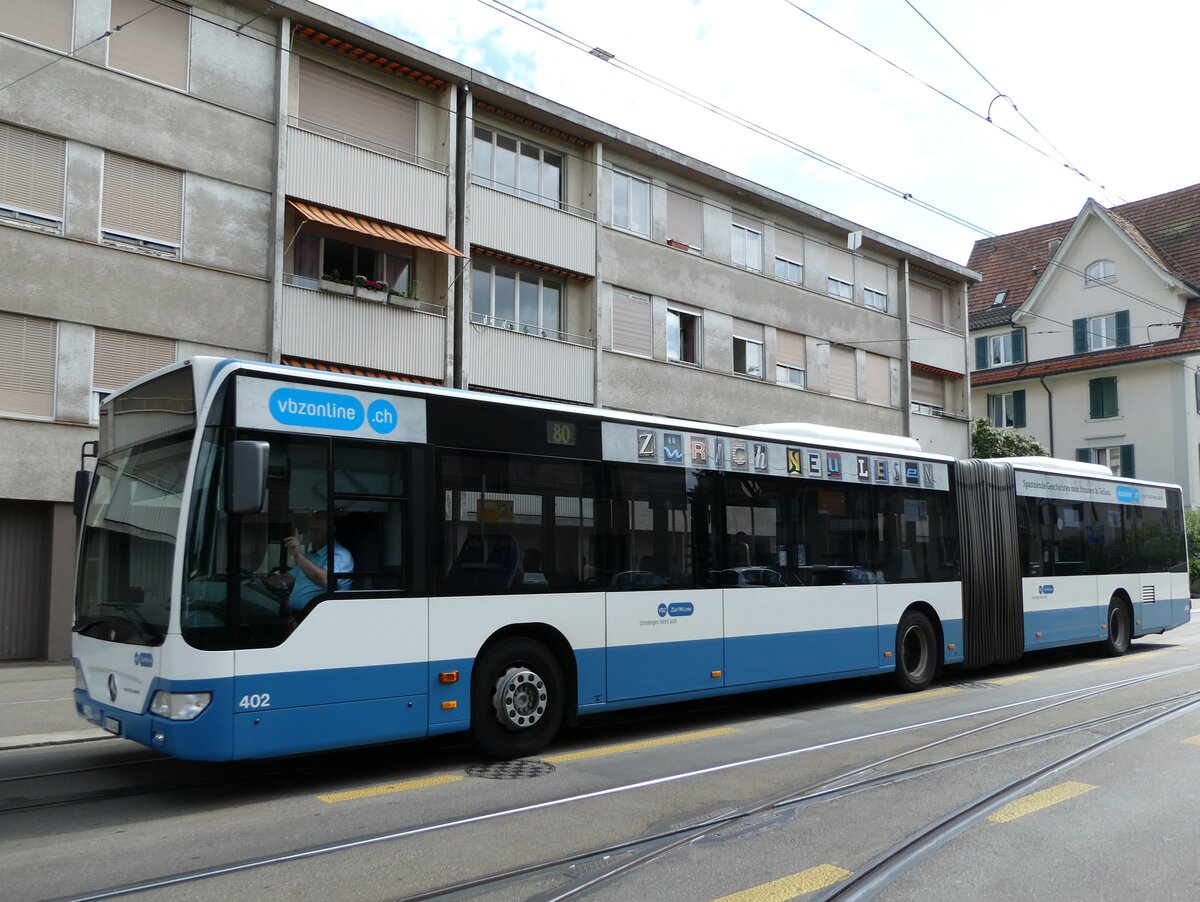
511, 770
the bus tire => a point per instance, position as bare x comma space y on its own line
517, 698
916, 652
1118, 635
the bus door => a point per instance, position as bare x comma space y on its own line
665, 622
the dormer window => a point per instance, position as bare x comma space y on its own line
1000, 297
1102, 272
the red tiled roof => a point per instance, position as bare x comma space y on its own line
1188, 342
1166, 227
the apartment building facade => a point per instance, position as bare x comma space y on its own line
292, 185
1086, 336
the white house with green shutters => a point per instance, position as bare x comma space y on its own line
1087, 336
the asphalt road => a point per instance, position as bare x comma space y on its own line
1116, 821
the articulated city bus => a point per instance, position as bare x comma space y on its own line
276, 561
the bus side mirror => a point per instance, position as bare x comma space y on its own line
246, 476
83, 481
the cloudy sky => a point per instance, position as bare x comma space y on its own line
1098, 96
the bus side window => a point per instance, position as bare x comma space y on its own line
370, 504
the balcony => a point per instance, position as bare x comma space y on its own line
942, 347
561, 367
378, 184
320, 325
564, 238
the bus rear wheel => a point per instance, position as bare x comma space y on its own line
517, 698
916, 652
1118, 636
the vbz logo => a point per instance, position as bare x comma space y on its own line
143, 659
1046, 590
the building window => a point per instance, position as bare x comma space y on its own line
789, 270
789, 375
925, 303
875, 299
1007, 411
356, 111
840, 289
632, 323
1000, 350
748, 357
121, 357
47, 22
1103, 394
631, 203
142, 206
155, 47
518, 167
928, 393
516, 299
998, 300
1102, 272
1118, 458
28, 347
843, 372
32, 173
746, 246
685, 220
683, 336
1099, 333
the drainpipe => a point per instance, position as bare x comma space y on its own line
1050, 410
465, 128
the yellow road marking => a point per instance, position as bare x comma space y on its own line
908, 697
1195, 740
623, 747
790, 887
1140, 656
389, 788
1039, 800
1009, 680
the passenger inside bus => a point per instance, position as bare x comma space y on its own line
309, 578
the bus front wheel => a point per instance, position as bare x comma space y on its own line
916, 652
1116, 640
516, 698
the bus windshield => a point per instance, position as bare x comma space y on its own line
132, 521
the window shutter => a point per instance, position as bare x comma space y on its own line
27, 362
1127, 461
748, 330
32, 168
142, 199
928, 388
879, 380
1096, 399
789, 246
1079, 327
1083, 455
685, 218
841, 265
790, 350
1018, 345
843, 373
46, 22
156, 45
1019, 409
875, 276
924, 302
981, 353
122, 357
1122, 328
631, 324
356, 107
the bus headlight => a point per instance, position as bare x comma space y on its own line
179, 705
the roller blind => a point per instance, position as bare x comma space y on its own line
45, 22
631, 324
841, 265
122, 357
153, 42
685, 218
925, 302
790, 350
31, 171
875, 276
27, 359
928, 388
357, 108
879, 380
142, 199
748, 330
843, 373
789, 245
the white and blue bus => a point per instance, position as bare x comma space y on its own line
276, 561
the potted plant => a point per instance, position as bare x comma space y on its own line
408, 294
334, 281
370, 289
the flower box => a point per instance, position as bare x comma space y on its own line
370, 294
679, 245
336, 287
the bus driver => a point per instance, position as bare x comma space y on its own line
309, 577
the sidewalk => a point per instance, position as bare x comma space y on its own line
37, 707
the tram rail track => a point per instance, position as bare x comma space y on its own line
620, 858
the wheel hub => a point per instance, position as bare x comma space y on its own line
520, 699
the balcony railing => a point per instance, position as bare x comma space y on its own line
320, 325
371, 182
532, 230
552, 367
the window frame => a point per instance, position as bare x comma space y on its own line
869, 294
839, 288
675, 323
630, 180
517, 190
739, 237
1005, 406
788, 264
788, 370
520, 276
1107, 274
1105, 338
745, 344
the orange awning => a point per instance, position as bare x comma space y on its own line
372, 227
935, 370
348, 370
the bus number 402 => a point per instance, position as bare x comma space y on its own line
256, 701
